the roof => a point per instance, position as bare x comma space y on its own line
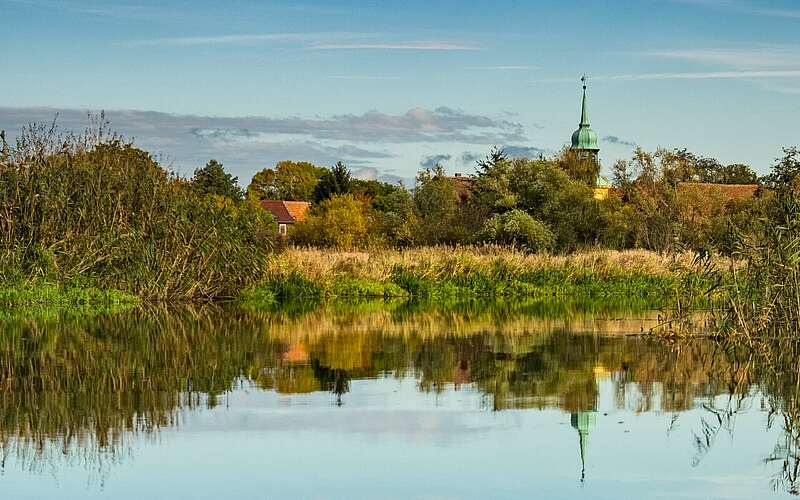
704, 199
584, 138
287, 212
729, 191
462, 185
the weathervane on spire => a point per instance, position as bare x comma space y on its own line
584, 79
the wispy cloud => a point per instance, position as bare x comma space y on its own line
706, 75
613, 139
422, 45
247, 39
525, 151
744, 8
758, 56
433, 160
362, 77
308, 40
505, 67
697, 75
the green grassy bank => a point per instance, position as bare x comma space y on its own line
442, 273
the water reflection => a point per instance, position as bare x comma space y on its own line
78, 388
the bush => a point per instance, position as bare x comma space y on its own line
343, 221
516, 227
99, 212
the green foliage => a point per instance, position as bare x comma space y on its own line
342, 221
438, 208
336, 180
546, 192
399, 220
214, 180
289, 180
584, 170
784, 175
517, 228
98, 212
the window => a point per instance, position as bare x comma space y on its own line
282, 229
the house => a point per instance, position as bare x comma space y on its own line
286, 213
462, 185
699, 200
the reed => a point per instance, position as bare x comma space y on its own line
93, 211
484, 271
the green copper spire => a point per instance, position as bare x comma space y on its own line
584, 140
582, 421
584, 113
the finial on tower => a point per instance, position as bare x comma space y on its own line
584, 79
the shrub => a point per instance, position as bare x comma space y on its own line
516, 227
98, 211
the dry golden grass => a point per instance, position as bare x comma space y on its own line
320, 265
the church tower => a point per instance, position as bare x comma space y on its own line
584, 140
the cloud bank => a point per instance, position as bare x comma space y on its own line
247, 144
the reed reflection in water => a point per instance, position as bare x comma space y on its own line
77, 389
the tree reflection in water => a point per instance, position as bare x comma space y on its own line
73, 388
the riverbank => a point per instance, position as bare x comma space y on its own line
486, 272
646, 279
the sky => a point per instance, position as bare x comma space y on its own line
390, 88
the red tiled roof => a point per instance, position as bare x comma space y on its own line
286, 212
729, 191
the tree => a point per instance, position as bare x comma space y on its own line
785, 170
401, 225
436, 202
517, 227
212, 179
737, 173
342, 221
334, 181
581, 169
289, 180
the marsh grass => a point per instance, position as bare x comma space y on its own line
92, 210
486, 271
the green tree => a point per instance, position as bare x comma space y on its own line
585, 170
736, 173
289, 180
517, 227
436, 202
785, 171
401, 225
336, 180
213, 179
342, 221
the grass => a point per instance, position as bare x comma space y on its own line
53, 295
481, 272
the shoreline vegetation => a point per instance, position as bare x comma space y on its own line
88, 218
448, 273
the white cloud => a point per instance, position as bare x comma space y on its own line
246, 39
753, 57
247, 144
425, 45
744, 8
706, 75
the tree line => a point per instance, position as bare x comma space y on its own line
542, 204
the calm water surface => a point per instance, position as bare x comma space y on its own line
384, 401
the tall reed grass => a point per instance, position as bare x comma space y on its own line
91, 210
488, 271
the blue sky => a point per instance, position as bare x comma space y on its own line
388, 87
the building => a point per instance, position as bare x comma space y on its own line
584, 143
584, 140
286, 213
